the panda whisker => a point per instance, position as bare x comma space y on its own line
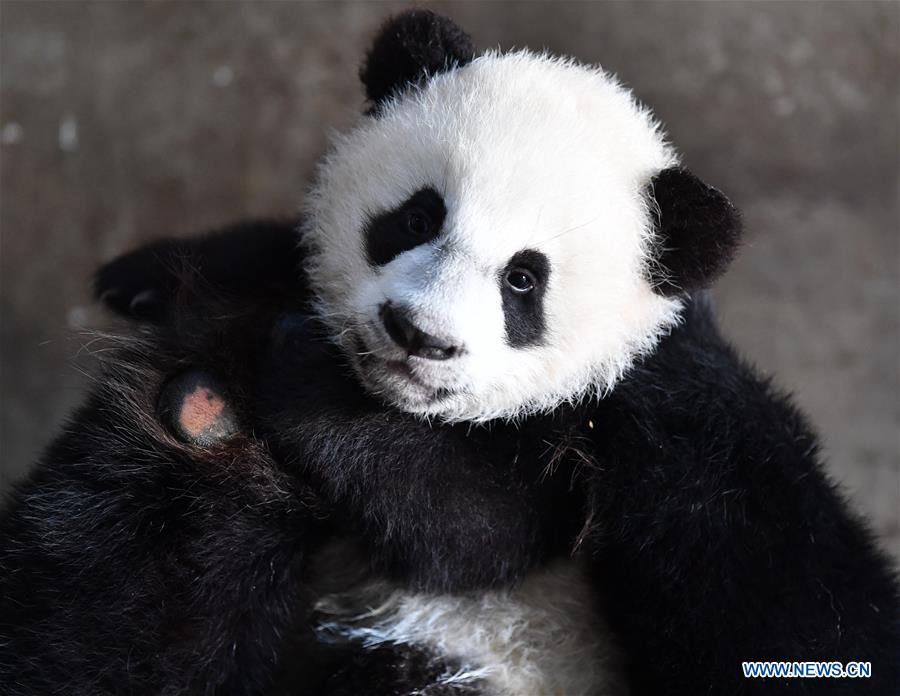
537, 222
567, 231
446, 174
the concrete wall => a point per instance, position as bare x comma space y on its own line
121, 122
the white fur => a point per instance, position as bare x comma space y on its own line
542, 637
528, 151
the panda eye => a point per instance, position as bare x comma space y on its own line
418, 220
418, 223
520, 281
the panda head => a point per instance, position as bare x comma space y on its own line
502, 233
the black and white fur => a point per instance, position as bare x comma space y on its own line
504, 240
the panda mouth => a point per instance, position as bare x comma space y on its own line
402, 368
396, 378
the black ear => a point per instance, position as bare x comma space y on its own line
697, 232
409, 47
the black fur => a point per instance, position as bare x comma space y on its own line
409, 48
397, 671
720, 538
697, 232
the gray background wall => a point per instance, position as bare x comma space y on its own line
121, 122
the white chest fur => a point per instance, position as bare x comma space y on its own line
544, 636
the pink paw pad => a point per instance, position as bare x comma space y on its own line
194, 407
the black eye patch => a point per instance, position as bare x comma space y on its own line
416, 221
523, 284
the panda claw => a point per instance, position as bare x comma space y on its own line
143, 303
109, 296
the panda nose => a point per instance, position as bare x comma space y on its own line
411, 338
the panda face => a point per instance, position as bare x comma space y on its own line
479, 247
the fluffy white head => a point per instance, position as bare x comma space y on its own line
528, 153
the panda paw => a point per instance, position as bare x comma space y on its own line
137, 285
195, 408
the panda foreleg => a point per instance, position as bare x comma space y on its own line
440, 506
722, 541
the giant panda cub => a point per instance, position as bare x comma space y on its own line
550, 435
